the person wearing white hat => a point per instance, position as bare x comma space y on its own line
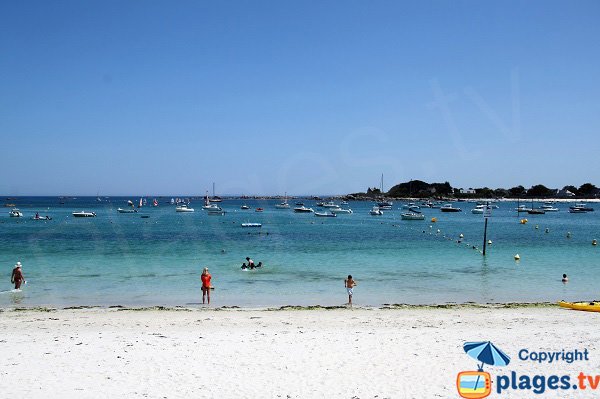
17, 277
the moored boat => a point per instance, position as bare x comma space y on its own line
450, 208
375, 211
325, 214
183, 208
131, 210
84, 214
251, 224
412, 216
549, 208
303, 209
340, 210
15, 213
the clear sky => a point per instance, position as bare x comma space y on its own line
303, 97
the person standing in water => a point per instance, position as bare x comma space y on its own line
205, 277
17, 277
349, 283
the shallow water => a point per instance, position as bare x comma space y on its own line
125, 259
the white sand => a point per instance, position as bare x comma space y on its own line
342, 353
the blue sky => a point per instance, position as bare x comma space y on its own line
311, 97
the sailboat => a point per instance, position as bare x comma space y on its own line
207, 203
534, 211
383, 204
284, 204
98, 199
140, 203
155, 202
214, 197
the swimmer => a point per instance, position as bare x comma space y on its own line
250, 263
565, 279
17, 277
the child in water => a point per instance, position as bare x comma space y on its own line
349, 283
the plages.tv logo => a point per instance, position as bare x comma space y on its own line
478, 384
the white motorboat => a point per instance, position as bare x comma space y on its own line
376, 211
15, 213
183, 208
412, 216
131, 210
344, 202
251, 225
84, 214
330, 204
522, 208
303, 209
450, 208
340, 210
478, 210
325, 214
244, 207
549, 208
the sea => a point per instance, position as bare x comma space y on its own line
154, 257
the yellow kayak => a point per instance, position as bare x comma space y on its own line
586, 306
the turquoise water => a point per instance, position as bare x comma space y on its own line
123, 259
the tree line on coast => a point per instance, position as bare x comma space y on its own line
421, 189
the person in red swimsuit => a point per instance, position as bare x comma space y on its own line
205, 277
17, 277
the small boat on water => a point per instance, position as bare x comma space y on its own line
154, 202
330, 204
325, 214
450, 208
385, 205
299, 203
15, 213
577, 210
303, 209
183, 208
412, 216
536, 211
581, 207
131, 210
244, 207
376, 211
549, 208
251, 224
478, 210
216, 212
258, 210
340, 210
38, 217
284, 204
344, 202
84, 214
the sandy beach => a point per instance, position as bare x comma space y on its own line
290, 353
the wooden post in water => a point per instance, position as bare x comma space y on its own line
484, 236
487, 212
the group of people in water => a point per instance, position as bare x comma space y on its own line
251, 265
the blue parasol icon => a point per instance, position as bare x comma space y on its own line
486, 353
